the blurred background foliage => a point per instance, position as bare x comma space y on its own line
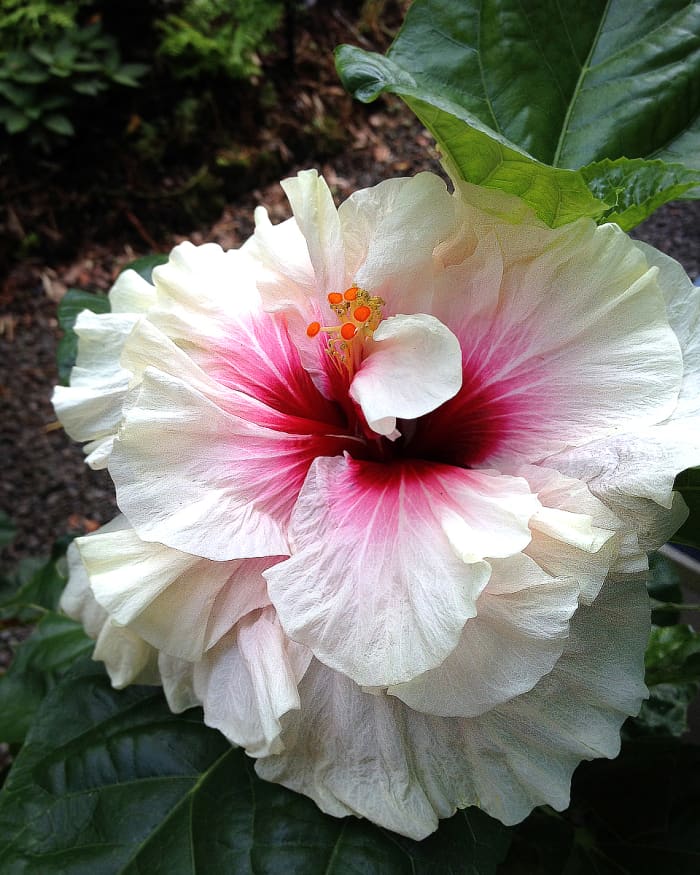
177, 105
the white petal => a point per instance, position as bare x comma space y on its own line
391, 232
165, 596
317, 218
127, 657
248, 681
201, 290
575, 534
517, 636
414, 366
131, 293
91, 407
374, 587
195, 478
177, 677
364, 754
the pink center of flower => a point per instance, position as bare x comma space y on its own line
359, 314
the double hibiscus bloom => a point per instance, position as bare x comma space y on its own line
388, 476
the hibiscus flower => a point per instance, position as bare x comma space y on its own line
388, 476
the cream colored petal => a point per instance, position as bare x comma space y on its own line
248, 681
369, 755
516, 637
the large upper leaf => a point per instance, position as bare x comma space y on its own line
559, 82
112, 782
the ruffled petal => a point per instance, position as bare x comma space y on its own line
517, 636
370, 755
127, 657
166, 597
201, 290
375, 587
573, 345
198, 479
575, 534
177, 677
391, 232
90, 408
415, 364
131, 293
317, 218
248, 681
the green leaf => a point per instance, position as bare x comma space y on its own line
673, 655
42, 54
635, 188
38, 664
673, 677
556, 81
129, 74
59, 124
73, 303
89, 87
664, 713
20, 97
144, 265
688, 484
7, 529
15, 121
112, 782
39, 584
472, 150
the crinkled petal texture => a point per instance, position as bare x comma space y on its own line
389, 473
358, 753
388, 562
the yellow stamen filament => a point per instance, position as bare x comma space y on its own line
359, 313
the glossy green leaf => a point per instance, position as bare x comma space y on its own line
471, 149
38, 663
73, 303
553, 81
688, 484
112, 782
634, 188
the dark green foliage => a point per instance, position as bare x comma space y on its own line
112, 782
49, 62
548, 100
220, 37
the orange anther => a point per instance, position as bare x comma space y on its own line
313, 329
348, 331
362, 313
351, 293
335, 298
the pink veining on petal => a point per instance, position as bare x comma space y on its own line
388, 561
261, 362
503, 403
